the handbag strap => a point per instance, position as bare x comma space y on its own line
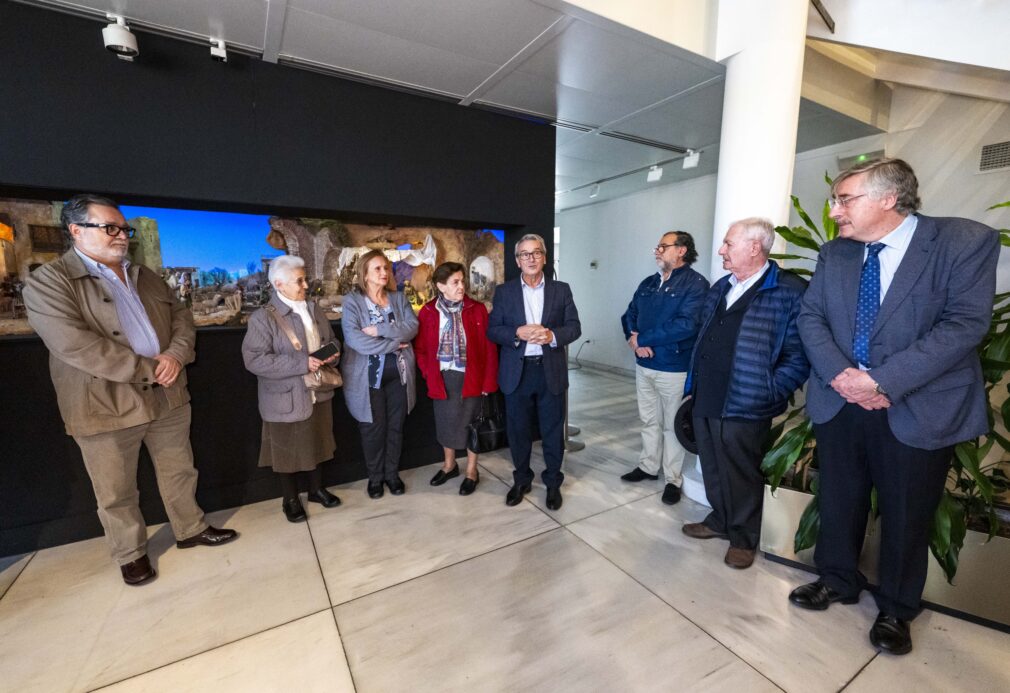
285, 328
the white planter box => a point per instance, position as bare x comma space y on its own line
979, 588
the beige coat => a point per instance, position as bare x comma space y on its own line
101, 384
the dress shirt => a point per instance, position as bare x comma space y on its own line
895, 244
739, 288
132, 316
533, 303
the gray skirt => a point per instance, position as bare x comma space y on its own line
299, 446
454, 414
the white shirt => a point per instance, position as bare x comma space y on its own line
533, 303
895, 244
739, 288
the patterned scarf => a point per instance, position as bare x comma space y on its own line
452, 339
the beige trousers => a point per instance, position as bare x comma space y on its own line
659, 396
111, 460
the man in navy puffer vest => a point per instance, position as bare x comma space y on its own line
747, 361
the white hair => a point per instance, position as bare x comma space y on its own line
531, 237
282, 267
758, 229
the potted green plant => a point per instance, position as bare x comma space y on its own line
971, 501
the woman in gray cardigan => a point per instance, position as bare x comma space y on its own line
378, 368
297, 422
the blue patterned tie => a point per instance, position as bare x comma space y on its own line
868, 305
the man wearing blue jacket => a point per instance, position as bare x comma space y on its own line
660, 325
747, 362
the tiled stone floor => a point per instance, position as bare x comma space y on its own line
433, 591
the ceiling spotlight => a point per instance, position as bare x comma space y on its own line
218, 51
692, 158
119, 39
594, 191
655, 173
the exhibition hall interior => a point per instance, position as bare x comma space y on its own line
234, 132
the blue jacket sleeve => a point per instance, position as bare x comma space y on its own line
684, 324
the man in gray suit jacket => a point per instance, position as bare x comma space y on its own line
890, 323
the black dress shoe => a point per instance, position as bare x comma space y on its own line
516, 493
468, 486
818, 596
554, 499
671, 494
324, 498
891, 634
442, 476
293, 510
637, 474
396, 486
138, 571
208, 537
375, 490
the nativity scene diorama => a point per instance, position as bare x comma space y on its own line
217, 262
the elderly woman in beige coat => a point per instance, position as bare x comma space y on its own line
297, 431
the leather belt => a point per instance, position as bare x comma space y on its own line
533, 359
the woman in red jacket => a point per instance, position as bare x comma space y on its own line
458, 363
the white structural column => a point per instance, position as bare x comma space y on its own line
762, 45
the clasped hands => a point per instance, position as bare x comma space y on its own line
535, 334
315, 364
640, 351
857, 387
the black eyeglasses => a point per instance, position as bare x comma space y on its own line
663, 246
531, 254
111, 229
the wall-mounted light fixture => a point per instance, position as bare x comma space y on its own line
119, 39
594, 191
692, 158
654, 174
218, 50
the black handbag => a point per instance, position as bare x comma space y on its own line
487, 431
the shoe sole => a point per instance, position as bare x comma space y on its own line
823, 607
881, 648
190, 545
518, 500
141, 581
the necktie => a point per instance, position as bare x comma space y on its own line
868, 304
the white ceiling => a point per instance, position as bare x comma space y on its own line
567, 66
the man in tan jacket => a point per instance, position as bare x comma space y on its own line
118, 342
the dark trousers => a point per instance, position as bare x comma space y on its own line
382, 439
856, 451
532, 398
730, 451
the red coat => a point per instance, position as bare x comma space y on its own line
481, 354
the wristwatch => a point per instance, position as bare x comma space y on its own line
879, 390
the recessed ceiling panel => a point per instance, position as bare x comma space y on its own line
693, 120
526, 92
491, 31
820, 126
619, 154
346, 46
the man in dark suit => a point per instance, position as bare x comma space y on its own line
533, 319
891, 322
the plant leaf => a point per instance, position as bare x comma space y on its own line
805, 217
798, 236
1001, 204
783, 455
971, 456
809, 526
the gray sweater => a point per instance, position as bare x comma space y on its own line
359, 346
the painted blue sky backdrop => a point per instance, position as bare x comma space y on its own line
191, 238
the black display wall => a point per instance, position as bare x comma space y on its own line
175, 128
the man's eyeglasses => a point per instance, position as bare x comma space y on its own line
111, 229
661, 248
844, 201
530, 254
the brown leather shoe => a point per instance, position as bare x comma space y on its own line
699, 530
208, 537
138, 571
739, 558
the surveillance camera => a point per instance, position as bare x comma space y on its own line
218, 51
119, 40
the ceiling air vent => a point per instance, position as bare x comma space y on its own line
995, 157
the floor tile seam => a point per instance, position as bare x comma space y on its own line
446, 567
20, 573
209, 649
676, 610
859, 673
607, 510
329, 600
